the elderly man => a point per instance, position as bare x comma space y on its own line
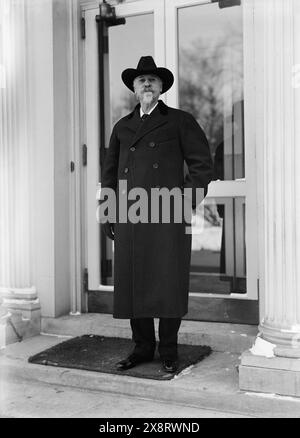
148, 149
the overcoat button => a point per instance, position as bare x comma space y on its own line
155, 165
132, 149
152, 144
126, 170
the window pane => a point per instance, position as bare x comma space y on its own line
218, 250
210, 53
125, 50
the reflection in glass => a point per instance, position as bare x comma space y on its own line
126, 45
210, 53
218, 251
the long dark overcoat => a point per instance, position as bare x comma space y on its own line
152, 260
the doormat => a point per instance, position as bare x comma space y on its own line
101, 353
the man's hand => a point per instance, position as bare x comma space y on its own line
109, 230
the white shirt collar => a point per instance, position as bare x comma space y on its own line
142, 112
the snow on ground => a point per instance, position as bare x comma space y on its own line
206, 237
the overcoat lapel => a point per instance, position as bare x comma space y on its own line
157, 118
134, 120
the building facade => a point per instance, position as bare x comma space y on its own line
236, 69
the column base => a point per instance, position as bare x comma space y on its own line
20, 315
275, 375
286, 339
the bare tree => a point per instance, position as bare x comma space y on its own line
210, 82
123, 106
211, 77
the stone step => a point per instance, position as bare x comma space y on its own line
222, 337
211, 384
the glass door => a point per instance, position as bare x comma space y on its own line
206, 47
142, 34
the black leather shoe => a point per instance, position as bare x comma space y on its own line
131, 362
170, 366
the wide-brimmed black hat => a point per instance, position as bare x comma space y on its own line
145, 66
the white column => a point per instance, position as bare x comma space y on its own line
281, 182
15, 160
274, 366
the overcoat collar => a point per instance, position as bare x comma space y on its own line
156, 119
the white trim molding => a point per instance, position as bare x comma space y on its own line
75, 156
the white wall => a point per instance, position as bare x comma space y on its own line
47, 52
40, 57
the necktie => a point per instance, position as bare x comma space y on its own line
144, 116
